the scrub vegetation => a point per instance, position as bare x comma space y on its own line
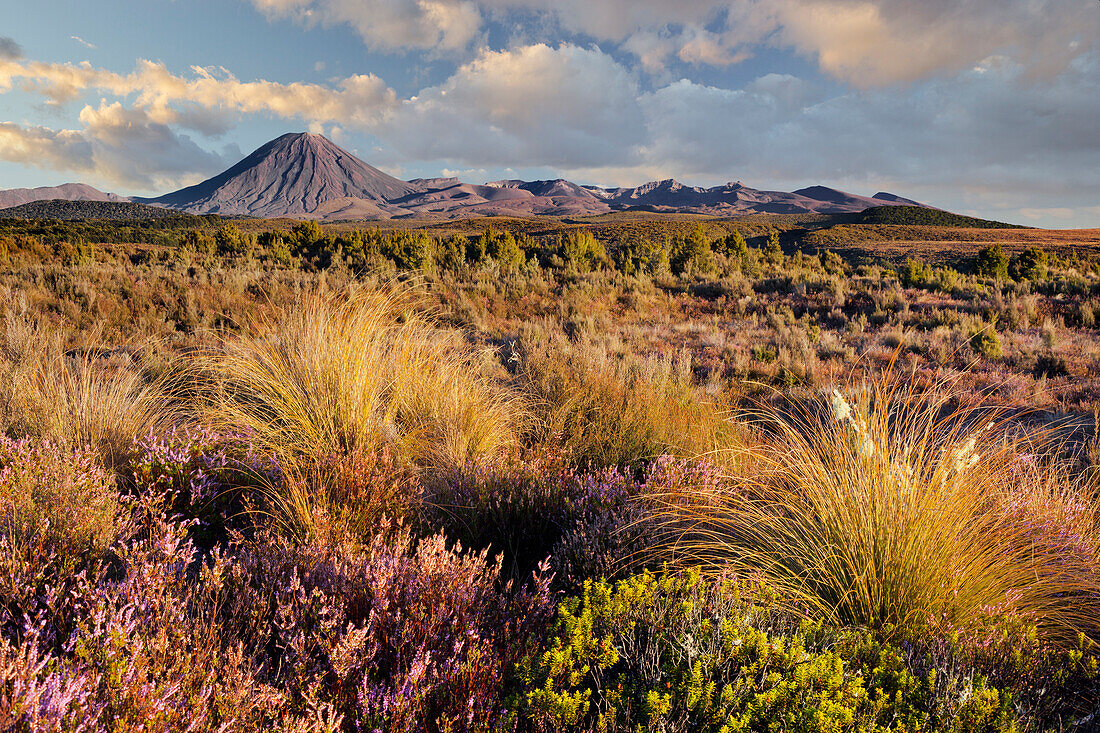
623, 473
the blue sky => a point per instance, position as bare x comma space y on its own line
988, 107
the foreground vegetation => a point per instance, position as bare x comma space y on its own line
357, 480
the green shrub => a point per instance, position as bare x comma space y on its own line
917, 274
992, 262
582, 251
986, 344
773, 253
733, 245
1031, 264
232, 242
673, 652
691, 254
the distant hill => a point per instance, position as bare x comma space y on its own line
71, 191
62, 209
918, 215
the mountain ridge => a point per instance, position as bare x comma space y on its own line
307, 176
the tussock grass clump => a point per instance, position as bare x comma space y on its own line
336, 375
89, 399
607, 412
897, 513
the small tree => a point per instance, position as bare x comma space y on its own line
307, 234
231, 241
198, 243
692, 254
992, 262
582, 251
986, 344
773, 252
1031, 264
732, 245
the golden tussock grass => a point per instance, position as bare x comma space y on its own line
361, 371
897, 512
84, 399
606, 412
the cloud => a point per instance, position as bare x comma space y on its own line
83, 43
870, 42
42, 147
9, 49
117, 146
170, 98
991, 137
533, 105
438, 25
990, 125
862, 42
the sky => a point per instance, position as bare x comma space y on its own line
985, 107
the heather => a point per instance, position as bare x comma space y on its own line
519, 480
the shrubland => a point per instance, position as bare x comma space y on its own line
616, 475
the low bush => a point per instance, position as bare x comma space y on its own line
391, 635
388, 635
203, 475
55, 498
674, 652
986, 344
132, 648
587, 523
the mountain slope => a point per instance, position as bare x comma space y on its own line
67, 191
84, 210
296, 174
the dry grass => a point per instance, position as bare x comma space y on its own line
897, 513
87, 399
607, 412
360, 372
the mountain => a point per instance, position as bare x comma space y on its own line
895, 199
297, 175
309, 177
66, 191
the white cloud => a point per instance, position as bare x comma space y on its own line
869, 42
863, 42
45, 148
440, 25
116, 146
994, 137
83, 43
525, 106
360, 99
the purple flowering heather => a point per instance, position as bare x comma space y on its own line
197, 469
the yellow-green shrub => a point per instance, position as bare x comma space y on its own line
674, 652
